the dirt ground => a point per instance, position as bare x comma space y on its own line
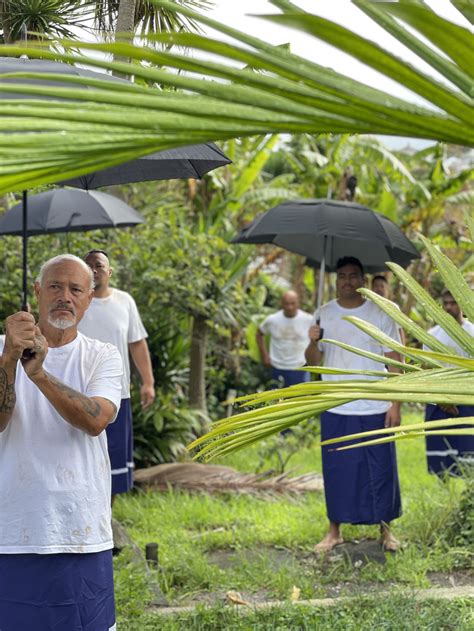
358, 553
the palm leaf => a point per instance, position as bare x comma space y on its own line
433, 309
455, 282
385, 340
398, 437
272, 91
444, 66
416, 427
375, 356
411, 327
466, 8
303, 402
455, 41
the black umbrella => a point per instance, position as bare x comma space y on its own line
67, 210
192, 161
324, 230
184, 162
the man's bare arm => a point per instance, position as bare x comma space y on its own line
7, 391
91, 414
312, 353
20, 332
265, 357
141, 358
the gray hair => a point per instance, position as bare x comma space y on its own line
60, 259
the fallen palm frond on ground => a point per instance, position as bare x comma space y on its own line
218, 479
439, 376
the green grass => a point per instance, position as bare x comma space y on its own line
191, 529
400, 612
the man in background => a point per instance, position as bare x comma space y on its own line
380, 286
113, 317
59, 390
360, 485
288, 331
450, 454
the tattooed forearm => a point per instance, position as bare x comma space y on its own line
90, 414
7, 393
88, 405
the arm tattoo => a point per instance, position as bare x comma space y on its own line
88, 405
7, 393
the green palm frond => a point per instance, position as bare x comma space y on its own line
256, 88
411, 327
418, 430
457, 284
453, 281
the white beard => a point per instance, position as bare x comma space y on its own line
61, 323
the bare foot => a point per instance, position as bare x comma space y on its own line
389, 542
328, 543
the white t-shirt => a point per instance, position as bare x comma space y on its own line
441, 335
55, 478
336, 328
116, 320
288, 338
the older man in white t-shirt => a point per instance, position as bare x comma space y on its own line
288, 331
361, 485
58, 392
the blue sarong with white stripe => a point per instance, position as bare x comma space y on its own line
449, 454
57, 592
361, 485
120, 448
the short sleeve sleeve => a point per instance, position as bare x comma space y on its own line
106, 378
264, 327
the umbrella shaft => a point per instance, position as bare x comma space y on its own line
321, 275
25, 251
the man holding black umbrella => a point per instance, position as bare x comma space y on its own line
113, 317
361, 485
58, 392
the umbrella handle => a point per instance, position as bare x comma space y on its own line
27, 352
321, 331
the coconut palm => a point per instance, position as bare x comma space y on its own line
273, 91
143, 16
43, 18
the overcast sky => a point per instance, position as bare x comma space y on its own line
240, 14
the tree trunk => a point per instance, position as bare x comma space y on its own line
125, 27
197, 367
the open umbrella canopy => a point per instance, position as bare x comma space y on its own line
192, 161
14, 65
330, 229
67, 210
